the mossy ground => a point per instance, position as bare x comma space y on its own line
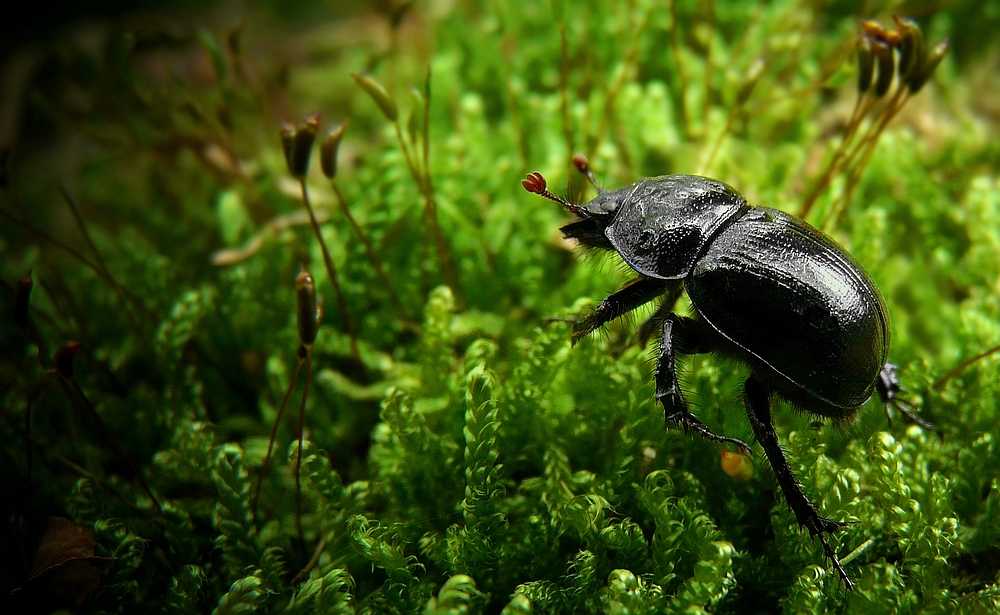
476, 462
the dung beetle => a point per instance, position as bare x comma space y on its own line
767, 289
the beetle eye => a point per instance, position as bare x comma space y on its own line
607, 206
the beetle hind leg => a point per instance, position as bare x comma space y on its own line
888, 388
683, 335
756, 397
648, 328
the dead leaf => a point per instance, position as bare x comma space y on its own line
65, 571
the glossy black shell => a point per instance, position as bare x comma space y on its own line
663, 223
785, 297
789, 296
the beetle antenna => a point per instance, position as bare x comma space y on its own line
581, 164
536, 184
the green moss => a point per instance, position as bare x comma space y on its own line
473, 461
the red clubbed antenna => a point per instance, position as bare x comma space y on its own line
536, 184
581, 164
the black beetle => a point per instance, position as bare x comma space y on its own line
768, 290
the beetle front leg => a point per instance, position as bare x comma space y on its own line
637, 293
683, 336
756, 397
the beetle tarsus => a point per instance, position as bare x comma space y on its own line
689, 423
832, 556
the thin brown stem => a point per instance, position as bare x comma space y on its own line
78, 217
862, 107
943, 380
376, 262
845, 157
628, 60
331, 271
75, 392
877, 126
118, 289
34, 230
707, 71
298, 457
865, 148
274, 435
869, 101
827, 176
72, 465
422, 177
718, 141
564, 87
426, 128
304, 573
99, 271
411, 162
675, 50
448, 269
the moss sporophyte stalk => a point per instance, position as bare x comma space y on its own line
234, 378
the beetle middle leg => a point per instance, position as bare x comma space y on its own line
648, 328
683, 336
756, 397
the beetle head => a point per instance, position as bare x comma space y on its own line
594, 216
664, 223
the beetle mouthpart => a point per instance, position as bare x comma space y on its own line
536, 184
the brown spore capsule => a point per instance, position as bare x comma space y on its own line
307, 313
328, 150
886, 67
911, 46
305, 136
919, 76
288, 142
866, 64
64, 358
